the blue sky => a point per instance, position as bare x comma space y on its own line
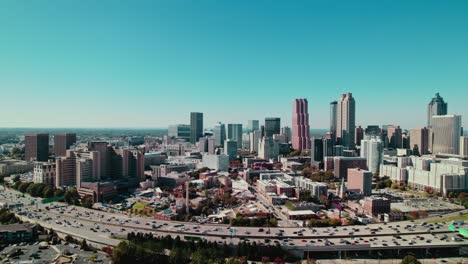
143, 63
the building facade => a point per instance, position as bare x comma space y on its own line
346, 120
300, 125
36, 147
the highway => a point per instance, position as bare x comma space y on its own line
104, 227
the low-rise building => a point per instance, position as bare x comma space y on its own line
18, 233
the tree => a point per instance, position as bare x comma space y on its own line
410, 259
84, 245
24, 186
59, 192
48, 192
87, 201
72, 196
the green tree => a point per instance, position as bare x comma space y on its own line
48, 192
410, 259
59, 192
24, 186
87, 201
72, 196
84, 245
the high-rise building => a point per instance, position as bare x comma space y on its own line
464, 146
346, 120
316, 150
333, 117
219, 132
373, 130
286, 131
196, 126
268, 148
342, 164
234, 132
437, 106
272, 126
36, 146
446, 134
394, 135
44, 172
360, 181
300, 128
63, 142
180, 131
358, 135
253, 125
372, 151
230, 148
419, 141
101, 148
254, 140
245, 141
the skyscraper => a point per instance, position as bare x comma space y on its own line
464, 146
394, 135
333, 113
419, 141
372, 150
446, 134
219, 132
346, 120
437, 106
235, 133
253, 125
358, 135
300, 125
286, 131
196, 126
36, 147
254, 140
230, 148
272, 126
62, 142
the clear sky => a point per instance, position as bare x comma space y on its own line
110, 63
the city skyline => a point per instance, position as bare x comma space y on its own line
138, 65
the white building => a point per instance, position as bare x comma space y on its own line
216, 162
371, 149
268, 148
254, 140
44, 172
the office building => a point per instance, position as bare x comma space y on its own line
253, 125
12, 166
206, 145
234, 132
36, 147
180, 131
316, 151
346, 120
63, 142
373, 131
268, 148
230, 149
464, 146
333, 116
360, 181
101, 147
436, 107
44, 172
300, 125
446, 134
419, 141
372, 151
376, 205
196, 126
342, 164
286, 132
394, 136
219, 132
358, 135
272, 126
254, 140
246, 141
216, 162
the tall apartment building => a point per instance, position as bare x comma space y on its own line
419, 141
372, 151
234, 132
300, 127
436, 107
196, 126
272, 126
36, 147
446, 131
346, 120
101, 147
63, 142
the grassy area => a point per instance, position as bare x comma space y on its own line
138, 206
449, 219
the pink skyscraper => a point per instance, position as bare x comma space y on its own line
300, 126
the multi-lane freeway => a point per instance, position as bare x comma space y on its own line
104, 227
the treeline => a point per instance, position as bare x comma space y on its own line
7, 217
254, 222
37, 189
145, 248
323, 222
